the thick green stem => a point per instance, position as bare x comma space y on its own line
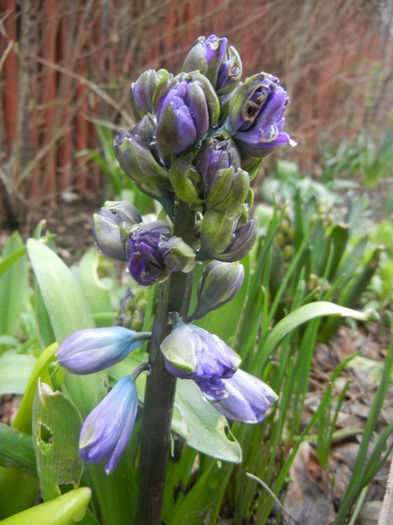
161, 387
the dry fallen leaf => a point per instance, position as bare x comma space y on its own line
309, 494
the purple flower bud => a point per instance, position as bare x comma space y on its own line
256, 115
95, 349
220, 283
146, 256
216, 153
248, 398
242, 241
143, 89
138, 157
230, 71
108, 427
191, 352
186, 109
153, 253
107, 228
206, 55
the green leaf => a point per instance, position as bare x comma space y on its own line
306, 313
9, 261
42, 318
209, 430
98, 295
201, 499
339, 236
22, 419
15, 370
9, 340
64, 510
13, 284
56, 427
18, 491
65, 302
12, 481
16, 450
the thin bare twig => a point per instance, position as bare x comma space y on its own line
269, 490
88, 83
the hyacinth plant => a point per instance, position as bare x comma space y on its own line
198, 142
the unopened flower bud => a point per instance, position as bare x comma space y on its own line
216, 231
107, 229
154, 253
191, 352
242, 241
206, 55
108, 427
248, 398
230, 71
228, 190
139, 163
187, 107
217, 152
178, 256
123, 211
146, 259
143, 89
220, 283
95, 349
186, 180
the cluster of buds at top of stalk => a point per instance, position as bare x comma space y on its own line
200, 137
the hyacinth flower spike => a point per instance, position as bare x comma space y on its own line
95, 349
107, 429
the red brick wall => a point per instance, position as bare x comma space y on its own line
63, 67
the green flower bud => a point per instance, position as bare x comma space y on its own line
142, 91
215, 233
139, 163
178, 256
124, 210
206, 55
228, 190
109, 225
219, 284
186, 180
242, 241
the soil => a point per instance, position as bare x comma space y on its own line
70, 222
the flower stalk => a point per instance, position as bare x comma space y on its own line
160, 391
